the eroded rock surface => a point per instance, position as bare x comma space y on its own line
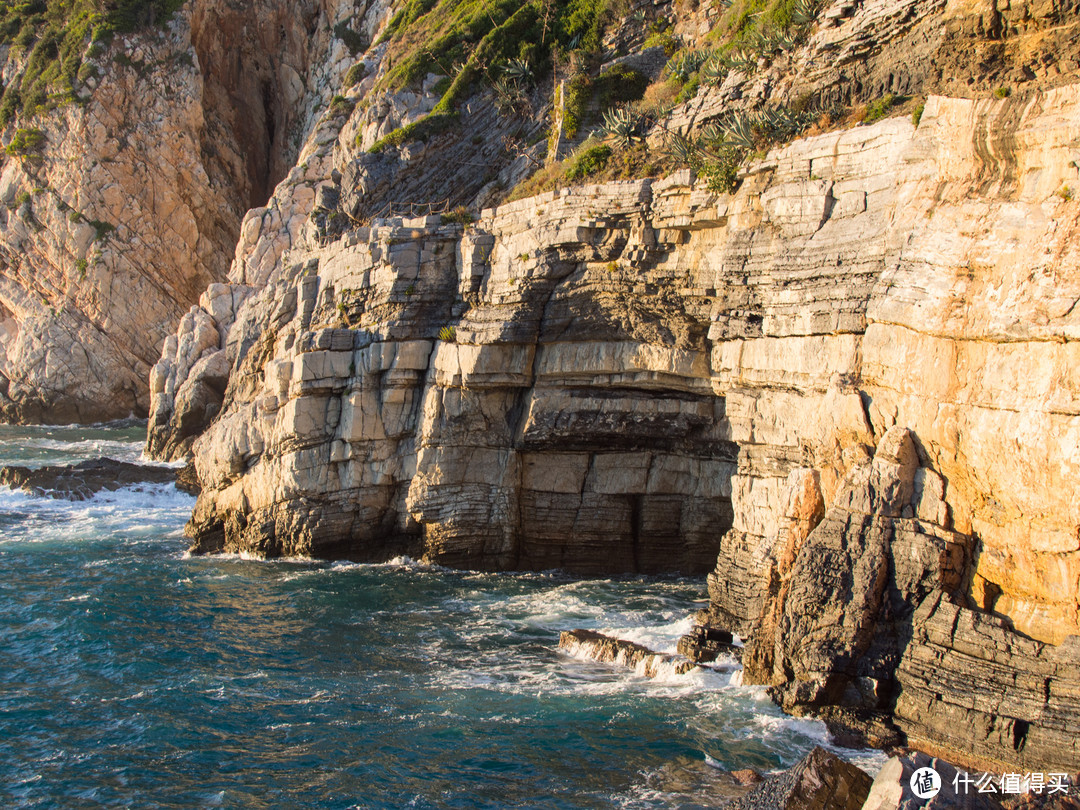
820, 781
608, 650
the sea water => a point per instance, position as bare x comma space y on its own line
134, 675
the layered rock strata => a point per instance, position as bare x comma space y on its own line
849, 388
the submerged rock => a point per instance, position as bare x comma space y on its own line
77, 482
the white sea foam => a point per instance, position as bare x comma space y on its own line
139, 511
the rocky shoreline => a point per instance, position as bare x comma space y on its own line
824, 781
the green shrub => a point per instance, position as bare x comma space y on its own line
620, 84
339, 105
916, 114
722, 173
589, 162
1003, 92
26, 143
101, 229
81, 266
876, 110
448, 334
470, 40
575, 101
459, 216
354, 41
689, 90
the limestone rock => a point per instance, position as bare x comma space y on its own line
134, 204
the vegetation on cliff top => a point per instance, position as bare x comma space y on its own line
56, 36
470, 40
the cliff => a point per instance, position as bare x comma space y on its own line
123, 202
837, 371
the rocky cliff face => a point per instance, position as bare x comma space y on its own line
114, 224
848, 388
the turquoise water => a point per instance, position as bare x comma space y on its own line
135, 676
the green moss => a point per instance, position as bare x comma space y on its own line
1003, 92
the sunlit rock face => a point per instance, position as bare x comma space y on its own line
114, 225
848, 389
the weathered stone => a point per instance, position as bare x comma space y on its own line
892, 789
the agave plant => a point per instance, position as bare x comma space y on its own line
518, 70
785, 41
623, 125
681, 149
509, 100
742, 61
714, 70
805, 12
683, 66
741, 131
779, 123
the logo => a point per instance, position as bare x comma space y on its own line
926, 783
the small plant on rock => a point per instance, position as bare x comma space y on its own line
448, 334
459, 216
